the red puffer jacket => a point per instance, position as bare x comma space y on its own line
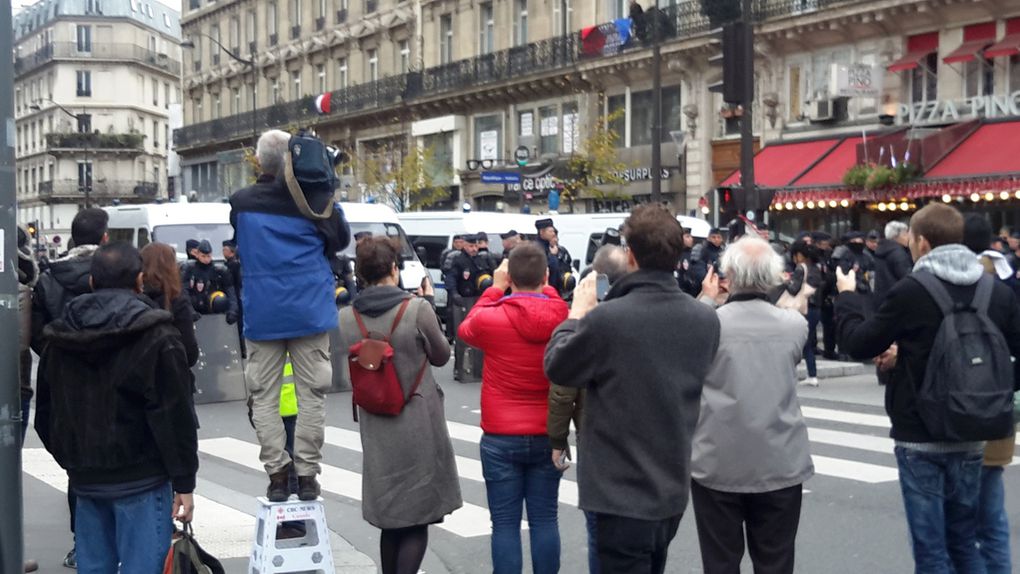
513, 332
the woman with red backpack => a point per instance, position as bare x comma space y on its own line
410, 476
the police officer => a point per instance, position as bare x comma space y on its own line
445, 263
234, 266
209, 284
510, 239
560, 271
464, 283
705, 255
683, 267
486, 261
343, 273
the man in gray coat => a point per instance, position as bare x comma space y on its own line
642, 354
751, 452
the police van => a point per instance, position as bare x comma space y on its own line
219, 372
431, 233
581, 233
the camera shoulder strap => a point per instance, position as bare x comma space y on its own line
299, 197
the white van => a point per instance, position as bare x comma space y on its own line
433, 232
175, 223
581, 233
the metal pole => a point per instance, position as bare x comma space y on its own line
746, 125
89, 176
656, 105
11, 537
254, 121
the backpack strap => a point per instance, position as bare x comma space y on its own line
983, 294
400, 315
361, 323
937, 290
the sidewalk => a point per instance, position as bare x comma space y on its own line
834, 369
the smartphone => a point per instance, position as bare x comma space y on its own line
601, 286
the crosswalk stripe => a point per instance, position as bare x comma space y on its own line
879, 421
468, 468
468, 521
852, 440
853, 470
225, 532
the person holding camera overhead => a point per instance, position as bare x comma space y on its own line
286, 236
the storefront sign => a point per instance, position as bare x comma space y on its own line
502, 177
857, 80
947, 111
639, 174
489, 144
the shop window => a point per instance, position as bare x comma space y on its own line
1014, 73
488, 137
619, 123
979, 77
924, 80
570, 128
525, 125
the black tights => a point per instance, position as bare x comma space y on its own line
402, 549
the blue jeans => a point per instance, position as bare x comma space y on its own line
593, 548
814, 314
133, 531
519, 469
993, 527
940, 495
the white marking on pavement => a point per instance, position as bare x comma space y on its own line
859, 471
223, 531
468, 521
468, 468
879, 421
852, 440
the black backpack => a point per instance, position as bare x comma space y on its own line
967, 392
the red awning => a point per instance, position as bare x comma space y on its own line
830, 170
968, 51
778, 165
1008, 45
992, 149
918, 48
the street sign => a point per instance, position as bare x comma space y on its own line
522, 155
501, 177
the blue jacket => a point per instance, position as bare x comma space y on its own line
288, 284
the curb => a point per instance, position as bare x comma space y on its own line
835, 369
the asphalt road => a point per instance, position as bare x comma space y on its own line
852, 519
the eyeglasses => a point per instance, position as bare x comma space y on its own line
474, 164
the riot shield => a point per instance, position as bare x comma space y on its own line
219, 373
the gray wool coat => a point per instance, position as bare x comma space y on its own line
409, 472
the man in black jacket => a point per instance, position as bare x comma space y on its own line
114, 409
943, 521
892, 259
63, 280
642, 354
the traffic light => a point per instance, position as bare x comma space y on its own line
33, 228
734, 61
732, 201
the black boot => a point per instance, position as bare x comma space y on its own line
308, 488
279, 490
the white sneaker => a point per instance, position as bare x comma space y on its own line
810, 381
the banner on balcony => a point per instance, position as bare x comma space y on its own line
606, 39
323, 103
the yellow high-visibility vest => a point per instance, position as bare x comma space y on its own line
288, 397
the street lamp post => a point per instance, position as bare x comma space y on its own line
251, 64
656, 106
87, 183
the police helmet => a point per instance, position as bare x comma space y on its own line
483, 282
218, 302
343, 296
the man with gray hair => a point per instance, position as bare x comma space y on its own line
750, 453
892, 259
289, 311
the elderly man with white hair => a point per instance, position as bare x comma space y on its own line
750, 453
892, 259
289, 311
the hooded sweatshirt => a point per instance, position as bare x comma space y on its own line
113, 405
909, 317
513, 331
63, 280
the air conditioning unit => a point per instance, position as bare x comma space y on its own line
820, 110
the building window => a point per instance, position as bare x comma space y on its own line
166, 95
795, 92
520, 22
321, 15
235, 101
558, 16
320, 73
1014, 73
405, 56
214, 50
488, 137
486, 29
341, 80
155, 134
235, 34
979, 77
196, 52
371, 6
271, 16
84, 83
155, 92
295, 18
641, 115
84, 123
217, 107
275, 91
295, 85
445, 38
196, 111
548, 130
83, 36
619, 123
373, 65
252, 41
924, 80
570, 128
85, 175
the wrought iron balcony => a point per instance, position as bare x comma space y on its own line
75, 142
371, 6
295, 32
341, 16
96, 50
72, 190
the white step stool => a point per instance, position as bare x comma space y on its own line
309, 554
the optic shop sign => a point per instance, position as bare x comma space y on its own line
547, 183
944, 111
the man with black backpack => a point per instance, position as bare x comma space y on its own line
952, 381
